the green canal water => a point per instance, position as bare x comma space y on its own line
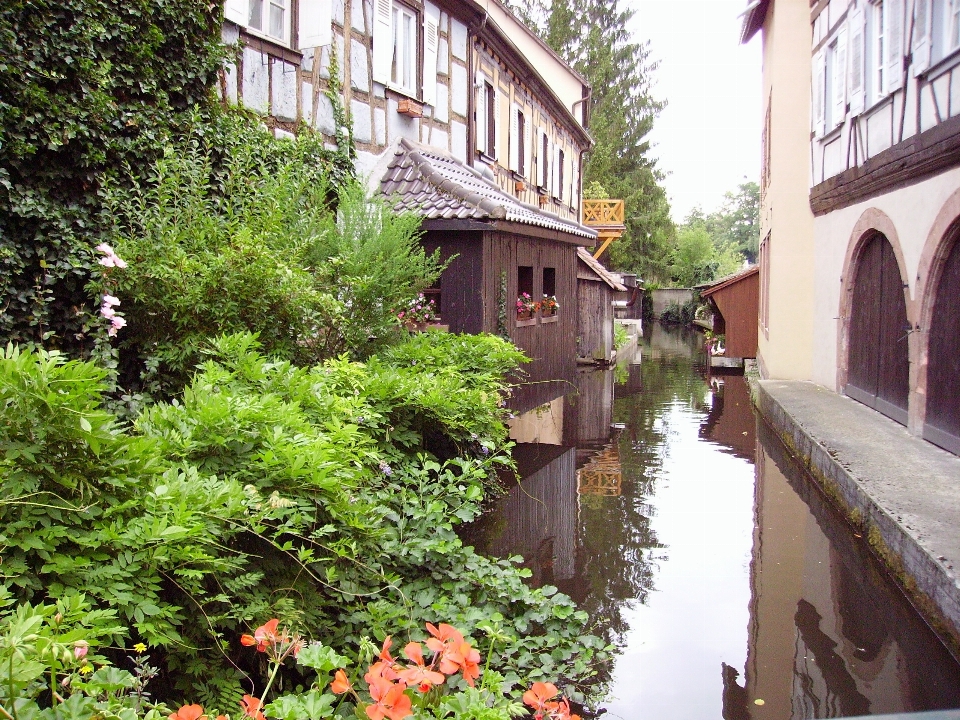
728, 585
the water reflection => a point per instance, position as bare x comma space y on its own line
720, 581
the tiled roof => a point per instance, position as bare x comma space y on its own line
587, 259
433, 184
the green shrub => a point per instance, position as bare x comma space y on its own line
238, 231
270, 490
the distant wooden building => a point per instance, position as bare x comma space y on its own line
596, 287
735, 301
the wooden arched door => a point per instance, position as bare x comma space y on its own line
878, 367
942, 424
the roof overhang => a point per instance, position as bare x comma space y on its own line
718, 285
753, 19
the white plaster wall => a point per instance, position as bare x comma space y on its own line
913, 211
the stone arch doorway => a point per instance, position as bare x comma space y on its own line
878, 364
942, 422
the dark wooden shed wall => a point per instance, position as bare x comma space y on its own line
595, 308
551, 345
739, 303
461, 302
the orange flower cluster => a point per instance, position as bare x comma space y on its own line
269, 639
192, 712
541, 696
387, 679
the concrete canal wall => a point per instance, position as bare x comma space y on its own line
901, 492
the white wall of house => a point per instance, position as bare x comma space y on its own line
786, 222
410, 69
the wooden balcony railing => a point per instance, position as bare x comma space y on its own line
603, 213
607, 218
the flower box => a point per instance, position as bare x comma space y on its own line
410, 108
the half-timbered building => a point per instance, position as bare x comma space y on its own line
875, 256
458, 112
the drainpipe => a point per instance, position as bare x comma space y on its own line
585, 98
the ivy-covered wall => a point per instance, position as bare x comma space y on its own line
89, 92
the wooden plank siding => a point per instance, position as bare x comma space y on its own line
461, 299
551, 345
595, 310
879, 365
738, 303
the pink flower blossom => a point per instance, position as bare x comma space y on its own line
110, 300
79, 649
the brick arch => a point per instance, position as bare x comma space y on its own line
944, 233
874, 222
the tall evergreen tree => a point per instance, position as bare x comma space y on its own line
593, 36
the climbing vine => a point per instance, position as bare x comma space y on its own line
89, 92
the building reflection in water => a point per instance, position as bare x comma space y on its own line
825, 634
829, 634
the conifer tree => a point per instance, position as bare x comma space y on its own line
594, 37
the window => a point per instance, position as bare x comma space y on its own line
954, 25
403, 68
876, 73
487, 116
398, 59
491, 108
518, 141
273, 19
544, 160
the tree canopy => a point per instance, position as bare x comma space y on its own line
593, 36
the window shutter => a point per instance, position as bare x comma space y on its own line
543, 162
922, 30
555, 189
514, 159
481, 113
497, 137
575, 182
528, 149
382, 40
237, 11
893, 34
839, 79
315, 20
857, 46
819, 93
430, 39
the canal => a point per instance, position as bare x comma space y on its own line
727, 584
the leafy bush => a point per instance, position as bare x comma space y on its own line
309, 494
240, 231
680, 314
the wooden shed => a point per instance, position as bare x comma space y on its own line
735, 300
596, 288
498, 249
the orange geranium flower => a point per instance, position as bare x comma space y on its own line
445, 642
389, 701
340, 683
385, 650
263, 636
381, 670
188, 712
538, 697
251, 707
561, 711
421, 675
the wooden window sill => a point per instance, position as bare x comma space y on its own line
549, 319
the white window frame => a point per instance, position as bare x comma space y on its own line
951, 26
876, 57
404, 48
241, 13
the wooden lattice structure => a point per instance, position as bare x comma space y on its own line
606, 216
603, 474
